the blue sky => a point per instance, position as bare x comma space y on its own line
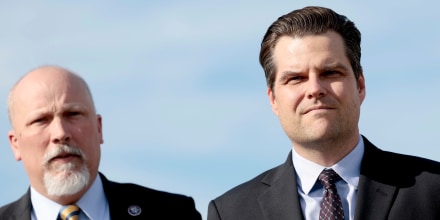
183, 97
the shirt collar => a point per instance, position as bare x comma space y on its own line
348, 168
42, 207
93, 203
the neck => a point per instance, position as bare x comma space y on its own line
326, 152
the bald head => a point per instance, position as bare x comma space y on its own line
51, 107
47, 76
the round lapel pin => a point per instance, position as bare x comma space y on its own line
134, 210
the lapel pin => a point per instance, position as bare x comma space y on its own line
134, 210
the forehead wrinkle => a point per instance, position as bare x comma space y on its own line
71, 77
54, 111
332, 66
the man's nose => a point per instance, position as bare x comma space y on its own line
315, 87
60, 131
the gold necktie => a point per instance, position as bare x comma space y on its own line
70, 212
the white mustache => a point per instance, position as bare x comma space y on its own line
63, 149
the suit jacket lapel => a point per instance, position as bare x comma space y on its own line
281, 200
375, 189
118, 208
20, 209
25, 206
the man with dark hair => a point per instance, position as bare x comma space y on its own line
315, 84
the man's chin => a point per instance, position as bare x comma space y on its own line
66, 181
64, 173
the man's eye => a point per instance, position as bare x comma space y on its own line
331, 73
39, 120
294, 79
73, 113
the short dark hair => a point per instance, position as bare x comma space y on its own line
310, 20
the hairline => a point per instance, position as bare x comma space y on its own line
10, 102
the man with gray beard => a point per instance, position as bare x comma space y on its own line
57, 134
65, 185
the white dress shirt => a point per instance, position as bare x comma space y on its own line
93, 204
310, 191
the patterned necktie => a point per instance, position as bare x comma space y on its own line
331, 206
69, 212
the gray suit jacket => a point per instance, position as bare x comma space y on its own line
391, 186
154, 204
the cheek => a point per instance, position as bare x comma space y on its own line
344, 92
34, 143
350, 98
32, 151
289, 100
340, 87
92, 153
88, 139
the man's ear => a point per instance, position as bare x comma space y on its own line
272, 100
361, 87
99, 118
13, 141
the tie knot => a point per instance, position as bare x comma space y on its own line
69, 212
328, 178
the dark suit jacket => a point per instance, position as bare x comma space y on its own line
154, 204
391, 186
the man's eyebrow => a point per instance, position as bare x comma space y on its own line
287, 74
334, 66
38, 113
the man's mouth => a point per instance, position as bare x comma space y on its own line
317, 108
66, 157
